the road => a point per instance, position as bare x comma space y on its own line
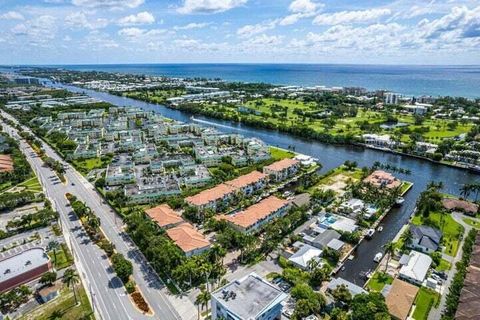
109, 298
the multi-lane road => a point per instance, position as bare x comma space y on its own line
105, 289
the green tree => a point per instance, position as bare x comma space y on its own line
48, 278
369, 306
123, 267
53, 246
71, 279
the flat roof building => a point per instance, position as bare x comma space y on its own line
22, 268
248, 298
416, 268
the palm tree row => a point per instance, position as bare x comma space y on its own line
469, 189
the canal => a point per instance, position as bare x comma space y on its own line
331, 156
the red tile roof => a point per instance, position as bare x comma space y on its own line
6, 163
209, 195
381, 178
246, 180
282, 164
187, 238
163, 215
466, 206
256, 212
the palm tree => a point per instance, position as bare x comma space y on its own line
406, 238
70, 278
56, 315
389, 251
465, 191
53, 246
198, 302
204, 299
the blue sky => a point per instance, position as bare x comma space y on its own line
274, 31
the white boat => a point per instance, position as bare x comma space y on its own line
400, 201
378, 257
370, 233
351, 257
380, 229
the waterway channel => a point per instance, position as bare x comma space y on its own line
330, 156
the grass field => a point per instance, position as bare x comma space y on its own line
452, 230
87, 165
472, 222
31, 185
64, 258
65, 304
378, 281
424, 302
444, 265
279, 154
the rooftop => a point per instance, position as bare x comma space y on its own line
163, 215
187, 238
380, 178
210, 195
451, 204
282, 164
257, 212
417, 266
400, 298
246, 180
249, 296
6, 163
22, 262
304, 255
353, 288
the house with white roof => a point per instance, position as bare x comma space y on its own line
304, 255
415, 267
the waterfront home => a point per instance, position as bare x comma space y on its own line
353, 288
304, 254
425, 147
256, 216
468, 207
249, 183
382, 179
323, 238
250, 297
282, 169
164, 216
415, 267
424, 238
188, 239
379, 141
219, 195
336, 222
399, 297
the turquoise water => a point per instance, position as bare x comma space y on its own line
409, 80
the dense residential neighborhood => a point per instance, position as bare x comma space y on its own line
221, 222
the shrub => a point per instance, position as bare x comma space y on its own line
140, 301
130, 286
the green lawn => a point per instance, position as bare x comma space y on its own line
472, 223
424, 302
405, 187
443, 266
31, 185
64, 258
65, 303
87, 165
452, 230
279, 154
378, 281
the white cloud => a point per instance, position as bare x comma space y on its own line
252, 29
192, 25
79, 20
108, 4
39, 31
461, 22
342, 17
304, 6
209, 6
265, 40
140, 18
12, 15
137, 34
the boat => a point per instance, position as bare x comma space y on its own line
351, 257
378, 257
399, 201
370, 233
380, 229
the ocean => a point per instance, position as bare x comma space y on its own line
408, 80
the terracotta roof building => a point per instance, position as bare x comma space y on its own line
400, 298
213, 197
250, 182
188, 239
164, 216
382, 179
282, 169
6, 163
257, 215
462, 205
